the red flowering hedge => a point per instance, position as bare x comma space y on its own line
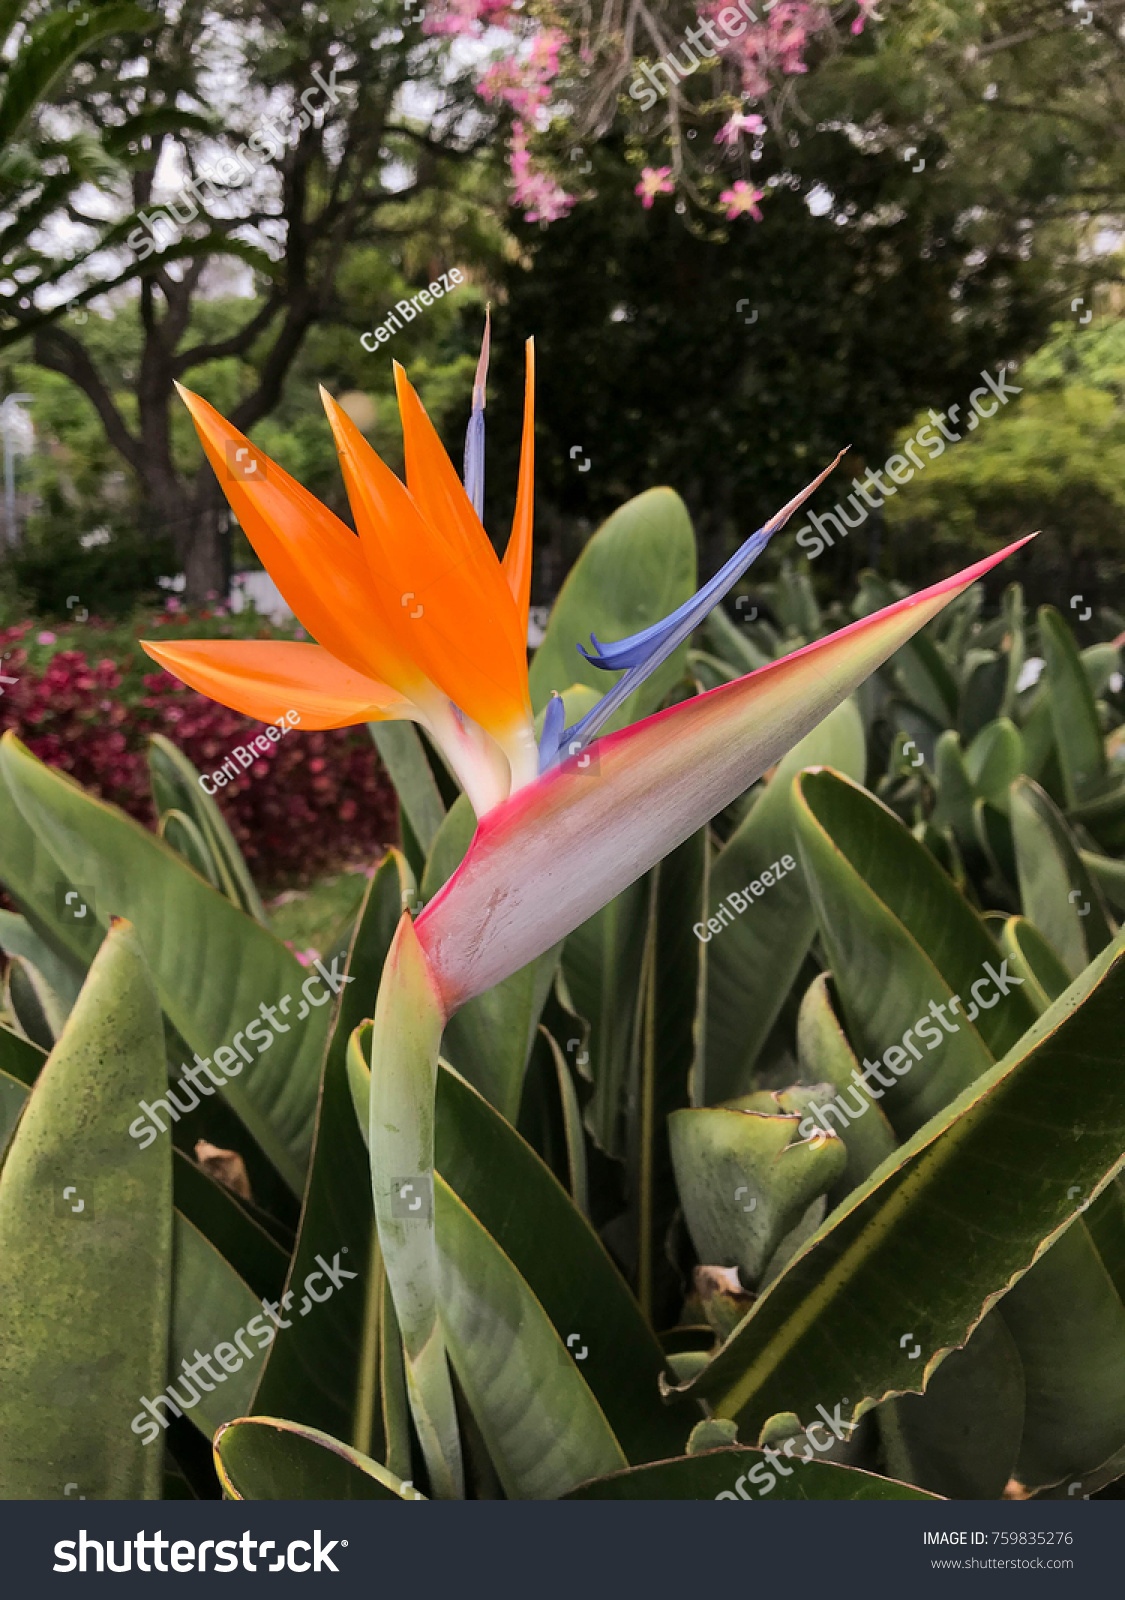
316, 802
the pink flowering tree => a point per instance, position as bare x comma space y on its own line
697, 87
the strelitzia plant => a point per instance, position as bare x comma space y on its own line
416, 618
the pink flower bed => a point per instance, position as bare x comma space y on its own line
316, 802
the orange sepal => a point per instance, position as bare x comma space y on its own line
264, 679
455, 614
517, 557
314, 559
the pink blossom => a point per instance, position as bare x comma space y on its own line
867, 13
732, 131
654, 181
46, 637
543, 199
741, 200
305, 957
465, 16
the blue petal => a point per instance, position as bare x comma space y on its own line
634, 650
641, 653
474, 462
474, 434
552, 732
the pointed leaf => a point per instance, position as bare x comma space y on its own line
826, 1056
903, 945
214, 966
264, 1458
1074, 715
176, 786
321, 1370
400, 750
404, 1055
830, 1325
752, 962
85, 1250
746, 1180
544, 1430
1058, 893
724, 1475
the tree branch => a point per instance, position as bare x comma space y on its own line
60, 352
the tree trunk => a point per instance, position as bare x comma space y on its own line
196, 518
202, 548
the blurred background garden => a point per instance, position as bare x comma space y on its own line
822, 236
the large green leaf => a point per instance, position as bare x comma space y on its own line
1074, 715
405, 1038
544, 1430
85, 1250
210, 1206
401, 752
176, 787
1069, 1323
34, 878
265, 1458
563, 1263
753, 960
59, 978
825, 1056
601, 962
1108, 874
994, 760
901, 941
320, 1372
962, 1437
638, 567
214, 966
724, 1474
20, 1064
746, 1179
943, 1228
1058, 893
669, 1059
211, 1307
